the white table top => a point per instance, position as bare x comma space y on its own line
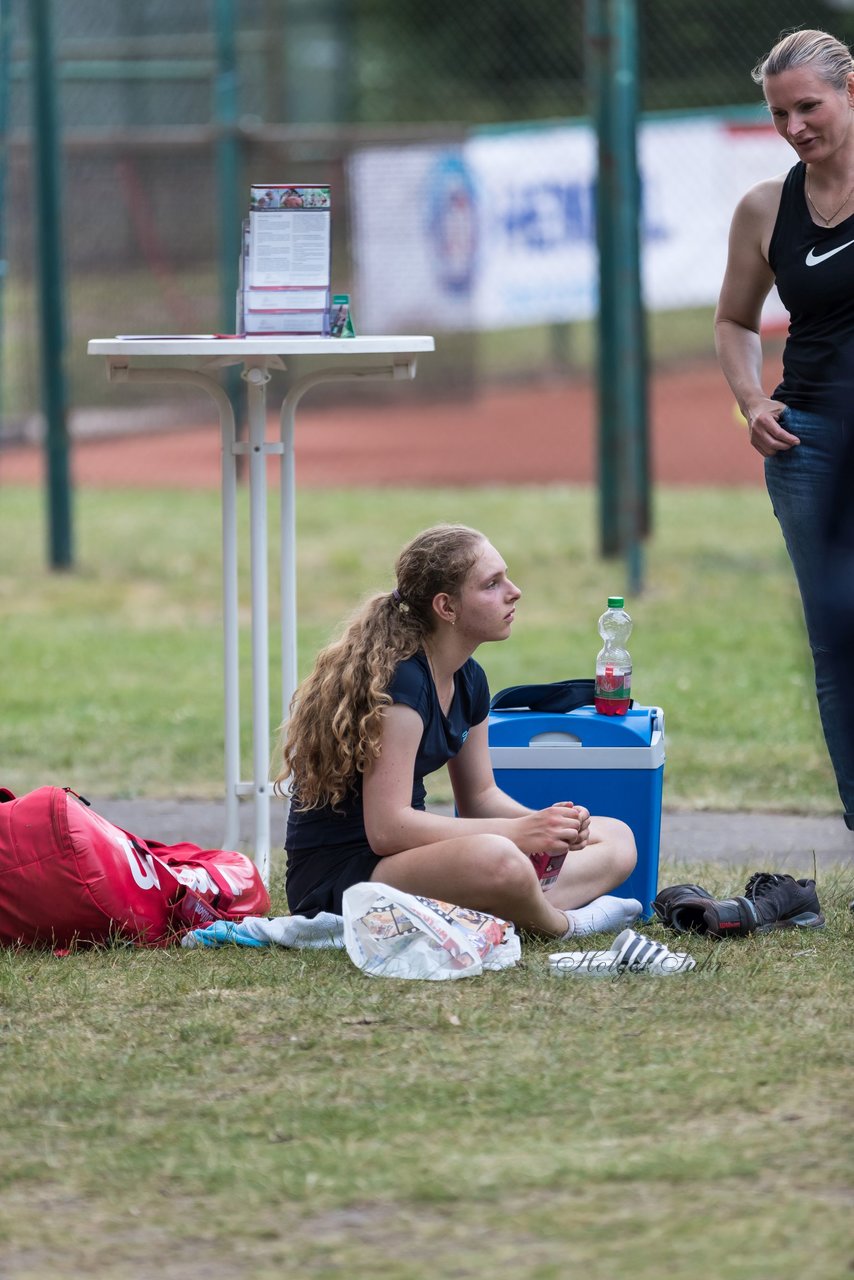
188, 344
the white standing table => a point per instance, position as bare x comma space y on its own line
310, 361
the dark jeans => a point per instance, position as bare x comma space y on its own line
810, 493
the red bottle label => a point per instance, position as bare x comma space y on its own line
612, 693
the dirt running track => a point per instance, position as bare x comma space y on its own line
535, 434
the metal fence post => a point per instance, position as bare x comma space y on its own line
228, 174
51, 281
5, 40
611, 38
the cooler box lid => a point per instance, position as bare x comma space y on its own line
635, 729
581, 738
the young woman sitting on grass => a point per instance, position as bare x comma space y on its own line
397, 697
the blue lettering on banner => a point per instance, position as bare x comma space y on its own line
452, 222
549, 214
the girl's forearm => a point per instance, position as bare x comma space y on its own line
414, 827
493, 803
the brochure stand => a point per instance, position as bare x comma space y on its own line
287, 261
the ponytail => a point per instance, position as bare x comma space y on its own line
334, 729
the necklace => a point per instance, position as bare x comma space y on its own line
826, 221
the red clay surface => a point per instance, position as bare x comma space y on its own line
533, 434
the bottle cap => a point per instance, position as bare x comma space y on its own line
615, 602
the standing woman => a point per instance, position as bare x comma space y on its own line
797, 230
397, 697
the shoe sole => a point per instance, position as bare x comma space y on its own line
806, 920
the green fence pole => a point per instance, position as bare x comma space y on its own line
612, 62
627, 215
49, 239
230, 201
5, 40
597, 69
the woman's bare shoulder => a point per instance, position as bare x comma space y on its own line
763, 199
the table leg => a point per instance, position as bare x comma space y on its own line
230, 632
256, 378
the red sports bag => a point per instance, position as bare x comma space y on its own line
67, 874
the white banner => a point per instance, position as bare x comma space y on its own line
500, 230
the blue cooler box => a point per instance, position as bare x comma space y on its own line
613, 765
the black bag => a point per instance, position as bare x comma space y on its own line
563, 695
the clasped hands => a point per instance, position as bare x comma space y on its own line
560, 827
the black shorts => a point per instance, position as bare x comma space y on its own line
315, 879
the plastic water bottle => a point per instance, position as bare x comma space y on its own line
613, 665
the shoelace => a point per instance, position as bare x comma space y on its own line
761, 880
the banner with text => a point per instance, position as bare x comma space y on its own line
500, 230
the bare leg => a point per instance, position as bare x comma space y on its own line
487, 873
606, 860
491, 874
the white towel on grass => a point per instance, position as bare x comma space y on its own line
323, 930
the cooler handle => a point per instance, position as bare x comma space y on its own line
555, 738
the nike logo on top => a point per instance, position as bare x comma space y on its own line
813, 259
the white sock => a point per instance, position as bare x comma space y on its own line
602, 915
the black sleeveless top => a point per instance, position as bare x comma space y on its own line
814, 271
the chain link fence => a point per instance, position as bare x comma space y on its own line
140, 90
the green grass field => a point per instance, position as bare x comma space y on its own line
116, 668
265, 1113
269, 1113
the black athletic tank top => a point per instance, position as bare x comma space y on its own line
814, 271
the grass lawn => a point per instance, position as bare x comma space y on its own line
269, 1113
276, 1112
117, 666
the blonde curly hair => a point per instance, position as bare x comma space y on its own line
333, 730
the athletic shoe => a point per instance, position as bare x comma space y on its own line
682, 907
769, 902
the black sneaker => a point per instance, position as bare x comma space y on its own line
682, 907
769, 902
